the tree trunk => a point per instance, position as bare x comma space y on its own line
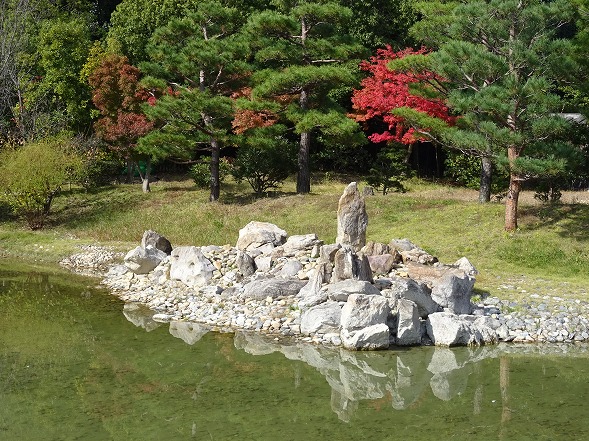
130, 165
215, 181
515, 184
304, 173
486, 175
145, 178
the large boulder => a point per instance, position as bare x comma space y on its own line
151, 238
453, 292
370, 338
420, 294
381, 263
260, 235
340, 291
272, 287
349, 265
362, 311
408, 324
446, 329
311, 294
190, 266
297, 243
352, 219
189, 332
323, 318
144, 260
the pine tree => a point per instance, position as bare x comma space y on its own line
501, 61
302, 59
195, 65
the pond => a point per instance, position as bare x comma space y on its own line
76, 364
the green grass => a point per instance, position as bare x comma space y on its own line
548, 255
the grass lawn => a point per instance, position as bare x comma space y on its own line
548, 255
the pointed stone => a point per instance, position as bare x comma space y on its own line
352, 219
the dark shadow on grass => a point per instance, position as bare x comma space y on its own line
239, 198
80, 208
572, 219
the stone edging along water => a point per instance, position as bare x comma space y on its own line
362, 296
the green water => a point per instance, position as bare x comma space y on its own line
73, 367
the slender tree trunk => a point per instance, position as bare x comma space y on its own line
130, 165
215, 181
146, 176
515, 184
486, 176
304, 173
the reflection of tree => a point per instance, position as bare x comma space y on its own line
504, 385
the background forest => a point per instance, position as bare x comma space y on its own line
487, 94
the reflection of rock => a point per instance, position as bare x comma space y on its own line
450, 374
140, 315
401, 378
343, 406
411, 377
188, 331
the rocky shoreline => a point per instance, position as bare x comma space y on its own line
361, 296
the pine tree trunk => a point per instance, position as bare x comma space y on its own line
145, 178
515, 185
486, 175
304, 173
215, 181
130, 165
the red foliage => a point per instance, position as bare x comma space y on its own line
119, 96
386, 90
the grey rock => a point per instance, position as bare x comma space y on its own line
144, 260
404, 288
304, 242
349, 265
140, 315
189, 265
464, 264
323, 318
362, 311
263, 263
402, 244
340, 291
291, 268
258, 234
381, 263
311, 294
151, 238
327, 252
408, 324
371, 338
446, 329
452, 292
352, 219
272, 287
245, 264
375, 249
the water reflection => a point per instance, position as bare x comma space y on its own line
399, 378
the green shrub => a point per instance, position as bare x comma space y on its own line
200, 172
389, 169
265, 159
465, 171
32, 175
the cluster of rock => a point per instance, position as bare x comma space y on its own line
363, 296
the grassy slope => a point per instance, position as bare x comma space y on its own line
548, 255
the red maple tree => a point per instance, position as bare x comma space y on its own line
118, 95
387, 89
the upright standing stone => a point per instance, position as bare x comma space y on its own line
352, 219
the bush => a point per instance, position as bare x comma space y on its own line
32, 175
465, 171
201, 172
265, 159
389, 169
